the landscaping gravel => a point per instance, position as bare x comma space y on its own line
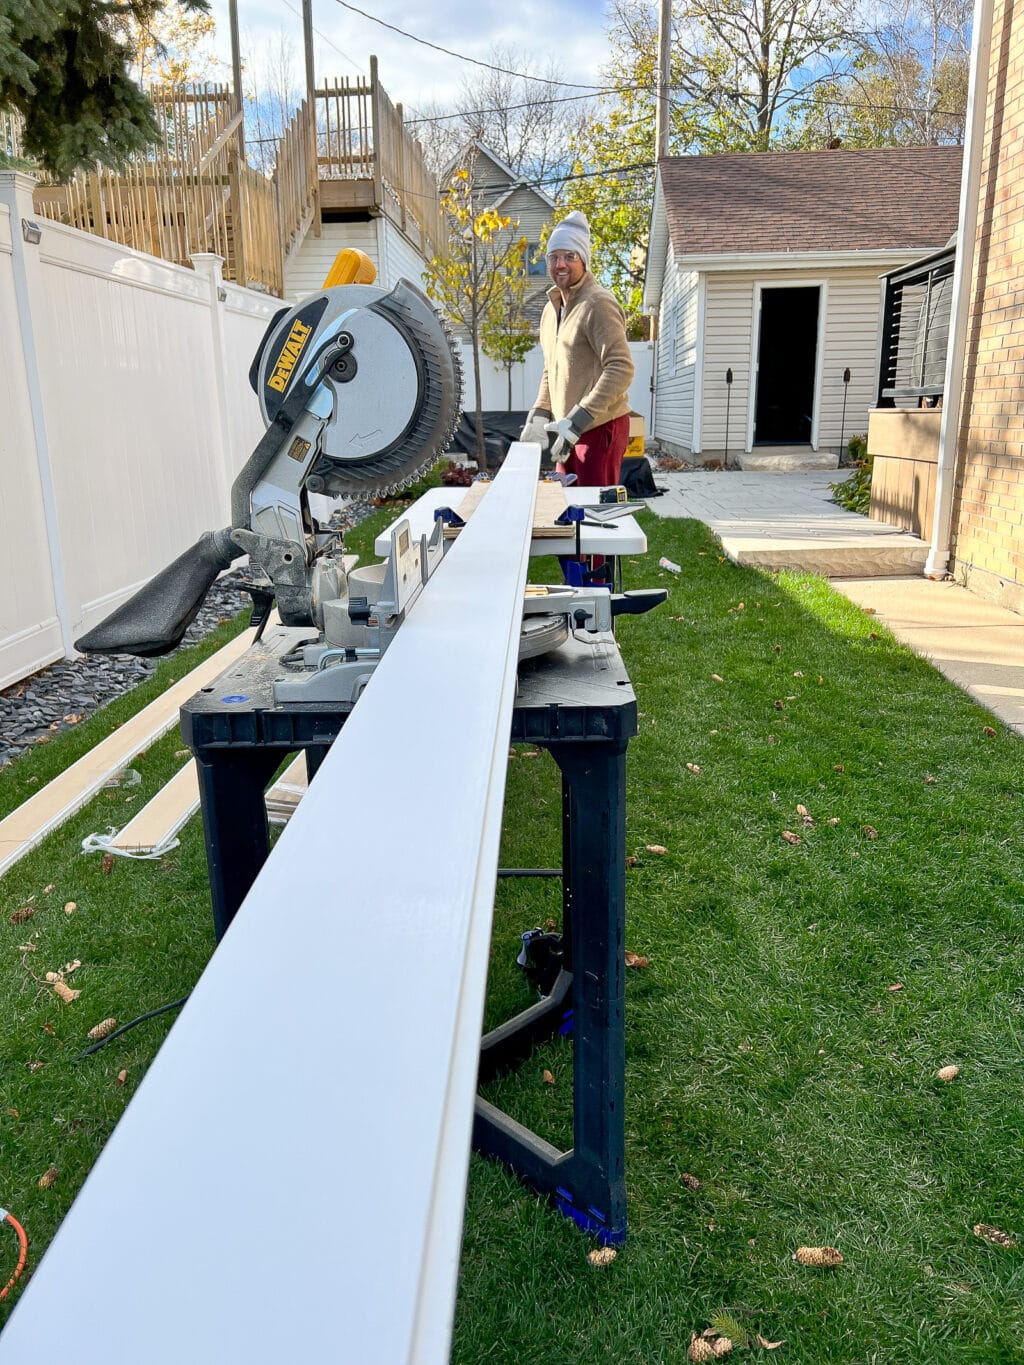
67, 692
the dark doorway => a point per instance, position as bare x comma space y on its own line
787, 349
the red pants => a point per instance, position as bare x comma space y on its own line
596, 458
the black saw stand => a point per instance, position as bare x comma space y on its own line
577, 703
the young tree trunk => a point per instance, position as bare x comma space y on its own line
508, 371
481, 451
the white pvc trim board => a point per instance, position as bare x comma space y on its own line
288, 1182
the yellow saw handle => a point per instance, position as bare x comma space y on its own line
351, 266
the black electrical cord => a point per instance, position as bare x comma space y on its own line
150, 1014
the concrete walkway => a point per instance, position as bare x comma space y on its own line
775, 521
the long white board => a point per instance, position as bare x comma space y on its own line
288, 1182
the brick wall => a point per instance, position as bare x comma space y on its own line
988, 513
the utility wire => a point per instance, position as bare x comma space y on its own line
461, 56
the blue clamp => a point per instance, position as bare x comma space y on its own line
572, 513
449, 517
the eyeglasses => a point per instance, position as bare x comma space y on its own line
563, 257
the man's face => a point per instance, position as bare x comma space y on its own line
566, 268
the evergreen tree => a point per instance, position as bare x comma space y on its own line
64, 69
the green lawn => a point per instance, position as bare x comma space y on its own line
782, 1043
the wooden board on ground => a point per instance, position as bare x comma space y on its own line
30, 822
160, 819
548, 507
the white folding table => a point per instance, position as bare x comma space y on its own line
626, 538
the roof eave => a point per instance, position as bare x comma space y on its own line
796, 260
657, 251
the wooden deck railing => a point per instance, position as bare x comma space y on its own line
194, 191
362, 139
191, 192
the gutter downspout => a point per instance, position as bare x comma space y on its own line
937, 563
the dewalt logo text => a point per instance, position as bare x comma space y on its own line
290, 352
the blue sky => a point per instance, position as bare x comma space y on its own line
571, 32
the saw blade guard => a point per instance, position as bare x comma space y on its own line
394, 395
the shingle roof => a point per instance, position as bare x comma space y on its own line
874, 199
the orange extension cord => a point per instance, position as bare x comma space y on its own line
23, 1254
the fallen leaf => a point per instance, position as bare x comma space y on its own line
695, 768
656, 848
20, 916
790, 837
778, 649
801, 809
512, 753
550, 926
838, 768
50, 1030
122, 1076
14, 1113
62, 989
780, 705
767, 1345
531, 753
48, 889
690, 1181
631, 861
47, 1178
870, 611
107, 865
602, 1256
102, 1029
798, 674
988, 730
70, 967
833, 820
182, 753
73, 717
869, 831
821, 680
547, 1077
716, 677
35, 1066
635, 960
822, 1257
929, 780
71, 907
990, 1234
896, 986
947, 1073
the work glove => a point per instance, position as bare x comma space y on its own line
567, 431
536, 428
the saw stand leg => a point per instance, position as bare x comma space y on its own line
587, 1183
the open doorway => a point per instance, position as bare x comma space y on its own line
787, 351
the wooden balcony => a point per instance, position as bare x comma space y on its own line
366, 161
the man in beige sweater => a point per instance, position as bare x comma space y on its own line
583, 401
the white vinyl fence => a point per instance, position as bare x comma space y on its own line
526, 380
125, 413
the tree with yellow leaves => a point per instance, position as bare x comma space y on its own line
470, 279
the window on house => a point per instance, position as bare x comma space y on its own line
535, 262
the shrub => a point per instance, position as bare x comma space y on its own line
854, 493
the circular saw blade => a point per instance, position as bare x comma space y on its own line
399, 411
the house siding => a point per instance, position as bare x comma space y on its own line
392, 253
853, 308
988, 512
676, 360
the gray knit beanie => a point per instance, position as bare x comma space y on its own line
572, 234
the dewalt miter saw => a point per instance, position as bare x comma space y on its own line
361, 391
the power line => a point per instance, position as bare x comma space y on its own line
508, 108
324, 38
460, 56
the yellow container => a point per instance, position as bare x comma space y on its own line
637, 432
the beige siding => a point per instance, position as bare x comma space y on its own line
399, 258
728, 324
676, 358
308, 267
852, 302
853, 325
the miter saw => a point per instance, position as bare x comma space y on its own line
361, 391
